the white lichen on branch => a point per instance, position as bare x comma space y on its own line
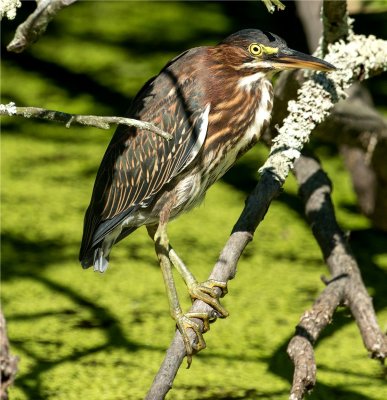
358, 58
35, 25
8, 109
8, 8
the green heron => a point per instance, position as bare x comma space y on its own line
215, 101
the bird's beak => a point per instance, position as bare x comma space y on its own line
292, 59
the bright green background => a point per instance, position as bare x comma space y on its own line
82, 335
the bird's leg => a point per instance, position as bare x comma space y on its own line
183, 321
204, 291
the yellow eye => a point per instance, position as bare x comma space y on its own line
255, 49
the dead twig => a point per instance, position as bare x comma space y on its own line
88, 120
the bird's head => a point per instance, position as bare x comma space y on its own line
252, 51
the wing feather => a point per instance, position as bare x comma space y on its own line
137, 163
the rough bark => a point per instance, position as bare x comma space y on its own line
8, 362
344, 288
363, 131
225, 269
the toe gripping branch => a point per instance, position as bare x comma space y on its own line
206, 291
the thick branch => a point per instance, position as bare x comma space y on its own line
359, 59
35, 25
346, 286
343, 267
88, 120
360, 127
224, 270
335, 22
316, 98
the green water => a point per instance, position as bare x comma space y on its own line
83, 335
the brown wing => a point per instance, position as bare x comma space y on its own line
137, 163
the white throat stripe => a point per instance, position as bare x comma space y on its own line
247, 81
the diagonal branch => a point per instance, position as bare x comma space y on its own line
315, 99
88, 120
225, 269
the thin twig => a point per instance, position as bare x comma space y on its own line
271, 4
101, 122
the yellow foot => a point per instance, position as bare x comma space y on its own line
183, 323
206, 292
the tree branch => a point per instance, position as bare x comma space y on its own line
347, 282
335, 22
315, 99
345, 288
360, 59
35, 25
88, 120
8, 362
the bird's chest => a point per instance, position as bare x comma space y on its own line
233, 128
242, 128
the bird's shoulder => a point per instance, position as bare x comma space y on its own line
179, 80
138, 163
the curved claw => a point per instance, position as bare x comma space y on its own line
214, 283
183, 323
205, 292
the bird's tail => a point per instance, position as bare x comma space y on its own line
97, 259
98, 255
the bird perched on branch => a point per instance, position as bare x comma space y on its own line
215, 101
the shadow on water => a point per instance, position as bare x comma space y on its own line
23, 259
75, 83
